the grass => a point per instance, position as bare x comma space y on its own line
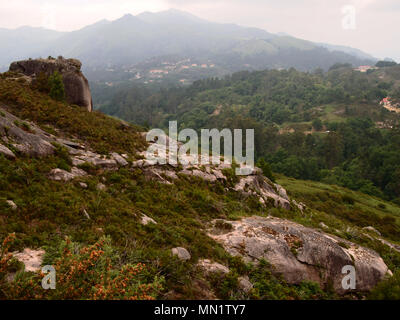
310, 190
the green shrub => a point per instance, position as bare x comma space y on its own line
347, 199
56, 85
388, 289
270, 287
266, 169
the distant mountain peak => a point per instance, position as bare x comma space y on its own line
127, 16
129, 19
169, 14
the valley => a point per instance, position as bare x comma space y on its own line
164, 156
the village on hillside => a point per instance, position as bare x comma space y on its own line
388, 104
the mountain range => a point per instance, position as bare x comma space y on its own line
131, 40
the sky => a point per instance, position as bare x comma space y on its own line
369, 25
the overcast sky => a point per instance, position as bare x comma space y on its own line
370, 25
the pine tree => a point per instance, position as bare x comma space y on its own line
56, 84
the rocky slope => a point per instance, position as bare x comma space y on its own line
30, 140
296, 252
24, 136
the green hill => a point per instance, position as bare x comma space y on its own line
91, 227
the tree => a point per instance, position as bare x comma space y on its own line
382, 64
266, 169
317, 124
57, 91
340, 65
333, 149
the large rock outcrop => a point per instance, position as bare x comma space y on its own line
76, 85
23, 136
300, 253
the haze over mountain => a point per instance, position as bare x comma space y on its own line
132, 39
23, 41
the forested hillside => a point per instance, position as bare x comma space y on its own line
324, 126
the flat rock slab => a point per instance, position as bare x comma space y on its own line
145, 220
7, 152
212, 267
25, 136
119, 159
62, 175
300, 253
181, 253
12, 204
263, 187
32, 259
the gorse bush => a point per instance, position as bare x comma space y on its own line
83, 273
5, 263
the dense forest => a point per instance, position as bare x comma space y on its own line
322, 126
